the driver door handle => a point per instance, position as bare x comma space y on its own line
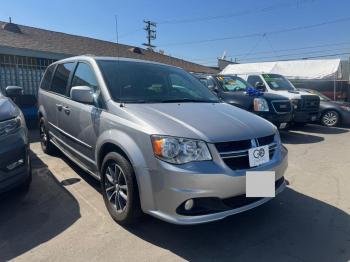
66, 109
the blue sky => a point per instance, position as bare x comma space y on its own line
217, 19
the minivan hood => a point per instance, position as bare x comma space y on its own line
211, 122
8, 109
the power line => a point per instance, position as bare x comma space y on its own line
297, 28
236, 14
294, 54
292, 49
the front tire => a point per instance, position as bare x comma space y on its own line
330, 118
119, 189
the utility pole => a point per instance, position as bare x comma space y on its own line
150, 28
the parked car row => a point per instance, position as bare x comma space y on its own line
158, 140
270, 96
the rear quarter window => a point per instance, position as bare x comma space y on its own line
46, 80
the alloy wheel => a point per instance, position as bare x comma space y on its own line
330, 118
116, 187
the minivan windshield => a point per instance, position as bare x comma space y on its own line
278, 82
141, 82
232, 83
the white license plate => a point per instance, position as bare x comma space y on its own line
283, 125
258, 156
260, 184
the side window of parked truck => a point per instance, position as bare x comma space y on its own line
60, 79
254, 79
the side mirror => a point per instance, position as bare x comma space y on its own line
13, 91
260, 86
82, 94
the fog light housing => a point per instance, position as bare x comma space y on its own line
189, 204
15, 164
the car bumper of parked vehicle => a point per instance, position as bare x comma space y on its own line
277, 119
305, 117
14, 160
215, 189
345, 118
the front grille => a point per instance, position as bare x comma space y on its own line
310, 103
235, 153
282, 106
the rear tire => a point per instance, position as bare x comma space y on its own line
119, 189
45, 142
330, 118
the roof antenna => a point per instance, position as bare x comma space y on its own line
117, 38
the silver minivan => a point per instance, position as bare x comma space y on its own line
158, 140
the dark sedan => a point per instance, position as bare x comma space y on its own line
332, 113
15, 168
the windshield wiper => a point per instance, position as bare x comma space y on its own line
187, 100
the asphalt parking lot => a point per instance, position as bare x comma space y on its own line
62, 217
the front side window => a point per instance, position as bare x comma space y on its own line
84, 76
138, 82
278, 82
232, 83
60, 79
254, 79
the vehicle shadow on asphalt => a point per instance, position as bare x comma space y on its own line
292, 137
29, 219
292, 227
323, 129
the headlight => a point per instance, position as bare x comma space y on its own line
10, 126
345, 108
260, 104
178, 150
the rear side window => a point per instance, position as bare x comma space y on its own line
45, 83
60, 79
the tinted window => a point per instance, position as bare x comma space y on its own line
84, 76
46, 81
60, 79
278, 82
253, 80
137, 82
208, 82
232, 83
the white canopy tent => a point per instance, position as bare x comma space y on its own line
326, 69
297, 69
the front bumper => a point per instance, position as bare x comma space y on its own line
172, 185
14, 160
276, 118
305, 116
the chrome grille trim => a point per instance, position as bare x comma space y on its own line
244, 153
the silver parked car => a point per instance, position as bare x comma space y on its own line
157, 139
